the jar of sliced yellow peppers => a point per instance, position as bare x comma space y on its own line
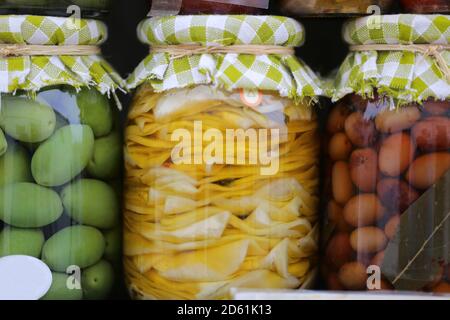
222, 155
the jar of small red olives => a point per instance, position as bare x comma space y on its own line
388, 159
188, 7
426, 6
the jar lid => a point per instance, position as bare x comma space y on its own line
273, 72
403, 74
398, 29
23, 278
33, 72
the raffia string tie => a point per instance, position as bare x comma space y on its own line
428, 50
187, 50
21, 50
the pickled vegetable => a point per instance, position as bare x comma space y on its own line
28, 205
91, 202
193, 230
79, 246
15, 241
107, 157
15, 165
26, 120
388, 192
63, 156
53, 108
97, 281
49, 209
3, 143
60, 290
95, 111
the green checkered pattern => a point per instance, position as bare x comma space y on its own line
32, 73
404, 76
285, 74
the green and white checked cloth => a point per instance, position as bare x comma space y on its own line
32, 73
402, 75
283, 73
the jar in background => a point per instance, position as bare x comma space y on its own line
388, 166
221, 187
89, 8
170, 7
60, 165
223, 7
332, 7
428, 6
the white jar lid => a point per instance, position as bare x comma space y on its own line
23, 278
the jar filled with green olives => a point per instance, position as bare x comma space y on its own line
89, 8
60, 161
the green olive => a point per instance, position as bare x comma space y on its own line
15, 165
60, 289
97, 281
95, 111
107, 159
91, 202
15, 241
80, 246
28, 205
62, 157
26, 120
3, 143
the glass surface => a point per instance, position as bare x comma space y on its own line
388, 190
221, 191
60, 177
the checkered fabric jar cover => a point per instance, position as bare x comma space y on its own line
403, 76
282, 73
32, 73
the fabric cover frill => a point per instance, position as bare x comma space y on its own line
32, 73
403, 76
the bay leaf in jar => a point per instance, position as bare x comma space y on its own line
413, 258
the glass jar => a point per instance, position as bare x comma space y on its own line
89, 8
332, 7
388, 189
224, 7
60, 168
221, 189
61, 155
388, 169
226, 218
429, 6
208, 6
